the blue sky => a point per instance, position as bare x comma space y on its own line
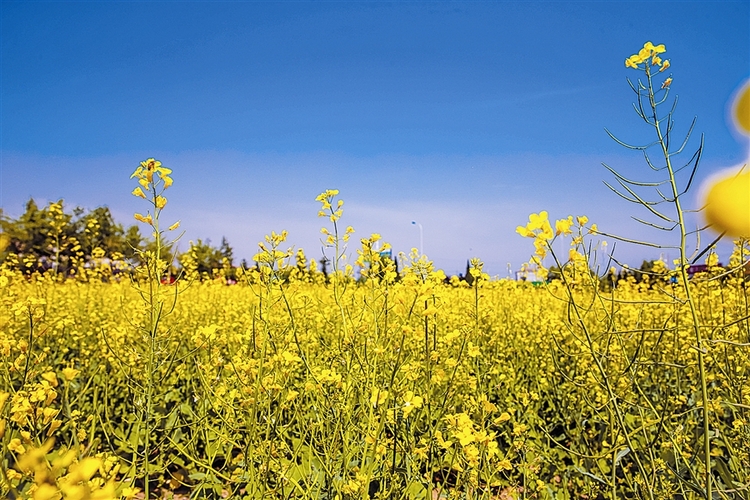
463, 116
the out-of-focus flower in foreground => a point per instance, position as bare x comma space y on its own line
741, 109
726, 197
727, 203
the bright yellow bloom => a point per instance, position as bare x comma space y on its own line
3, 398
562, 226
378, 396
167, 181
49, 414
649, 50
15, 446
411, 402
525, 232
575, 256
161, 202
146, 220
536, 221
667, 83
328, 193
664, 65
546, 232
70, 373
139, 193
50, 377
174, 226
633, 62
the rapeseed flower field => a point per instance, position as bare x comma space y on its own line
370, 381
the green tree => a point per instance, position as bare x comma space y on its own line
203, 257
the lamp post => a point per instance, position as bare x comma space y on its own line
421, 234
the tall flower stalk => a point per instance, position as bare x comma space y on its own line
155, 354
650, 96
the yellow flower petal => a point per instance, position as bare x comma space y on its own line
70, 373
146, 220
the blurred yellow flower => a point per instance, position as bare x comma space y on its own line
70, 373
411, 402
378, 396
667, 83
174, 226
139, 193
46, 492
741, 109
727, 204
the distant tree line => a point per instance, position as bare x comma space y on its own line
51, 238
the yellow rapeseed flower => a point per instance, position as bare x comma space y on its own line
70, 373
649, 50
146, 220
139, 193
563, 226
50, 377
16, 447
174, 226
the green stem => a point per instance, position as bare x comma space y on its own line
684, 281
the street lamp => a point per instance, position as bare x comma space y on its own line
421, 234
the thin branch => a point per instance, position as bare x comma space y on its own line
655, 226
687, 137
709, 247
663, 197
646, 204
631, 182
648, 162
695, 168
618, 141
637, 242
